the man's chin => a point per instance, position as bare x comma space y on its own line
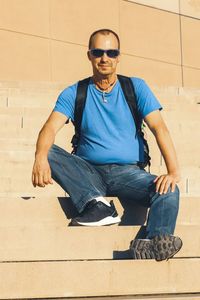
105, 72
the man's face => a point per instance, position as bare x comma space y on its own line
104, 65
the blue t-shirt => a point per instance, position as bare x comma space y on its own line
108, 132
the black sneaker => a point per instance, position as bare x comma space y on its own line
161, 247
97, 213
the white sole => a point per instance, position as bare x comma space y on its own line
103, 222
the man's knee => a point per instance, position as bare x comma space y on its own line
56, 152
177, 192
176, 195
172, 198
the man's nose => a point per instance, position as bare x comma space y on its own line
104, 57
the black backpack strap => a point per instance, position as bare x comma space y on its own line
129, 93
130, 96
80, 102
78, 110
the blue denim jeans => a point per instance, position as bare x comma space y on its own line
84, 181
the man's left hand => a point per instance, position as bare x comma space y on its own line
166, 181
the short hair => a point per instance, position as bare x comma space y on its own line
104, 32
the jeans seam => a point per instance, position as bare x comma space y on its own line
136, 189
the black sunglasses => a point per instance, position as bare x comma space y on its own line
112, 53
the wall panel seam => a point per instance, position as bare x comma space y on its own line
153, 7
190, 17
190, 67
43, 37
50, 44
181, 44
24, 33
152, 59
165, 10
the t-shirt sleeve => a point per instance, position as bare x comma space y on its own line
65, 103
146, 100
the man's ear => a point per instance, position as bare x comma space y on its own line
88, 55
118, 58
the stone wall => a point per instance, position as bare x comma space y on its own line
47, 40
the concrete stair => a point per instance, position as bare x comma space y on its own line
55, 241
99, 278
53, 210
41, 257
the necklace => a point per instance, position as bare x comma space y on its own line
104, 91
103, 97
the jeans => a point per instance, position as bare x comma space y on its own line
84, 181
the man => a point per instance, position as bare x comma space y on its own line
109, 153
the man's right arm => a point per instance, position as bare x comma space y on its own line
41, 174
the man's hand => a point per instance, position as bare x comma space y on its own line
41, 174
166, 181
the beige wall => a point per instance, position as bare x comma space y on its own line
46, 40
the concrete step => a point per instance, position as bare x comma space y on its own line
181, 131
23, 160
180, 111
12, 126
27, 211
190, 178
22, 130
42, 100
34, 87
45, 102
14, 186
186, 113
171, 94
10, 155
188, 157
20, 153
17, 144
180, 106
27, 115
19, 184
9, 139
17, 128
16, 178
98, 278
14, 133
47, 242
179, 296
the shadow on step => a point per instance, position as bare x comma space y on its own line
141, 234
131, 213
68, 208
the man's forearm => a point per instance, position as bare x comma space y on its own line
45, 140
167, 149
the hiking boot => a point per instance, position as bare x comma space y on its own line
161, 247
166, 246
97, 213
141, 249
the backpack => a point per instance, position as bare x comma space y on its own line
129, 93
